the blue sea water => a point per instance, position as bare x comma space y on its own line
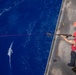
33, 18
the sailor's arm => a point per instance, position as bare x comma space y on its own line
69, 41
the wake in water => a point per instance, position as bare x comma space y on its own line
10, 51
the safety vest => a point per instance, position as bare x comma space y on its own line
73, 47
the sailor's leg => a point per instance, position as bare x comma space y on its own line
72, 61
75, 58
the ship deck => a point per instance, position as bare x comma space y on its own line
59, 55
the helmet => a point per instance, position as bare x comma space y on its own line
74, 24
74, 34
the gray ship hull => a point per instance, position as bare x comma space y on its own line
59, 55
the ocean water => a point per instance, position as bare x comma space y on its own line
24, 45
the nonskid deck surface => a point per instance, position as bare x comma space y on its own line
60, 57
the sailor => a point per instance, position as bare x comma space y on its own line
73, 51
74, 24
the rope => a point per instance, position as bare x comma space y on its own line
14, 35
17, 35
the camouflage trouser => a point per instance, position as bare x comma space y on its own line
73, 58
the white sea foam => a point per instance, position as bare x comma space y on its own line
7, 9
4, 10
